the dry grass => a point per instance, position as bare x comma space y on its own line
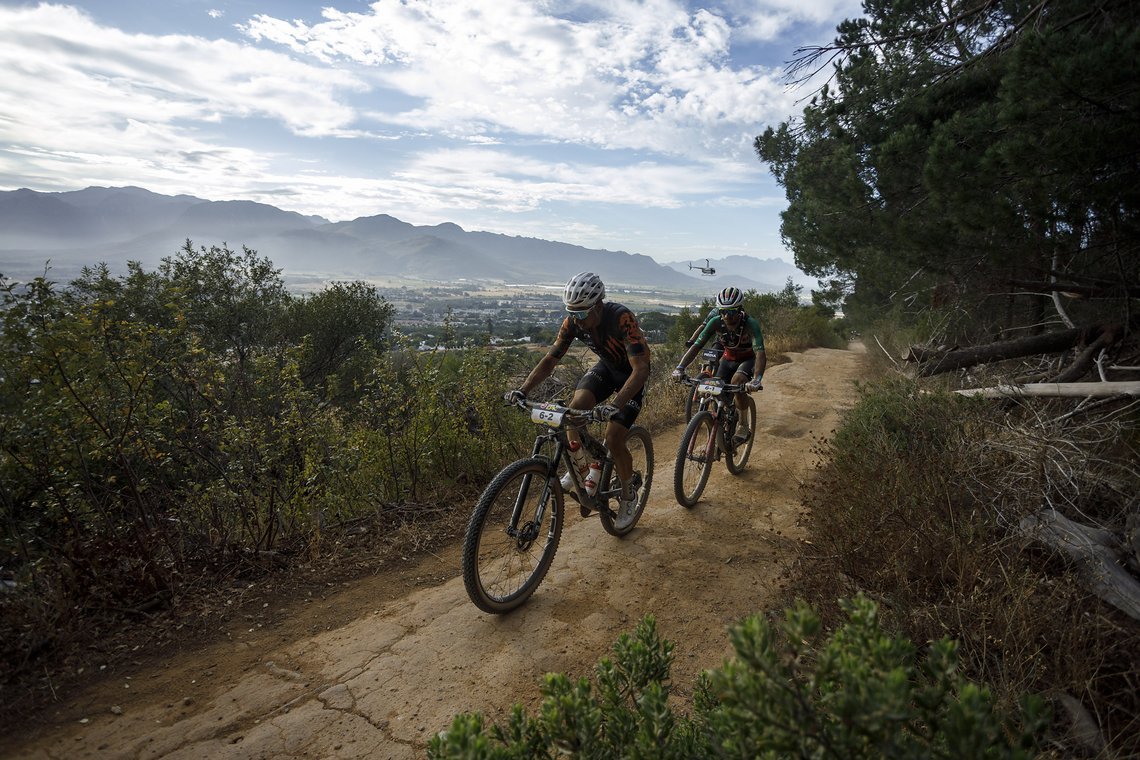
917, 502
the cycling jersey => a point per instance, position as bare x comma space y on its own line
617, 337
740, 342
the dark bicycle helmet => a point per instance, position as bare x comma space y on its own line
583, 291
730, 298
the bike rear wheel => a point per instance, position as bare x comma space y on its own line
695, 457
736, 454
621, 521
691, 402
502, 566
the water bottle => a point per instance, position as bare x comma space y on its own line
593, 477
578, 457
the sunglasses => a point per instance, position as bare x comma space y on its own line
578, 313
730, 312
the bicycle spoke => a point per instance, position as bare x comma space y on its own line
503, 566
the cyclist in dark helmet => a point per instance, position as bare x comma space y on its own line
612, 332
743, 360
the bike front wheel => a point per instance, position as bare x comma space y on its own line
695, 457
504, 557
736, 454
621, 521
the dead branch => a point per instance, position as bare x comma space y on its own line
1057, 390
1073, 290
1084, 361
1094, 554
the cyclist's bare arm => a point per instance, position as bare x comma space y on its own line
541, 371
761, 362
698, 344
635, 381
637, 351
687, 359
545, 367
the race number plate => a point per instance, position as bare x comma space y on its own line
547, 414
711, 387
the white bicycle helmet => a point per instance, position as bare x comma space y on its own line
729, 298
583, 291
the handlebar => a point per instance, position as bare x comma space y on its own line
725, 387
589, 415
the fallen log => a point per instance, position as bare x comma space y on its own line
1093, 553
933, 361
1057, 390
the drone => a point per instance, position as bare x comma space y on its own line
707, 269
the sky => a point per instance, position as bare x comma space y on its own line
617, 124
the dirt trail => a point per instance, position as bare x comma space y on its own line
382, 685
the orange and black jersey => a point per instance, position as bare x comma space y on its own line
617, 337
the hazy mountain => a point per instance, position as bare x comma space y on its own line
117, 225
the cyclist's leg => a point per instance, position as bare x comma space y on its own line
616, 432
586, 396
615, 441
726, 370
583, 399
742, 375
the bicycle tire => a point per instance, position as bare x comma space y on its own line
620, 522
690, 401
695, 457
736, 454
501, 572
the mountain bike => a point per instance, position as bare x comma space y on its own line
514, 531
710, 433
710, 362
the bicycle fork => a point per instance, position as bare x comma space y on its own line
709, 455
528, 532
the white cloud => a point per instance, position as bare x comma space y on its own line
104, 92
645, 75
767, 20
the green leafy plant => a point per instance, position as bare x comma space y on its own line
789, 691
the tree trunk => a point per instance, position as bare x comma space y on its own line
935, 362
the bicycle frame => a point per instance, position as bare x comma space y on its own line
559, 418
723, 396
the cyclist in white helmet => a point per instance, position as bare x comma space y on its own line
743, 360
612, 332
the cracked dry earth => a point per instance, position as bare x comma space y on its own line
418, 652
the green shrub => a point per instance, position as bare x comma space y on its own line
789, 691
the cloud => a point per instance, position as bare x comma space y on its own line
619, 75
144, 102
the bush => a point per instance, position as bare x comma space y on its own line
788, 692
918, 501
161, 430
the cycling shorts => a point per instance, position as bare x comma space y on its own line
728, 368
603, 381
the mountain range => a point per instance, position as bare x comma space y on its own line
62, 232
